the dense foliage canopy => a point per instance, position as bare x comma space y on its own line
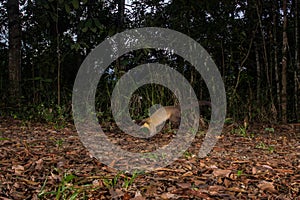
255, 45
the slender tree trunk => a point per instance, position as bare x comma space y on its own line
14, 55
121, 13
265, 55
223, 62
120, 22
297, 62
275, 11
58, 57
258, 81
284, 65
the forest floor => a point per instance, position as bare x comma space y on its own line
39, 161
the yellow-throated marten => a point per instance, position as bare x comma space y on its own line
163, 114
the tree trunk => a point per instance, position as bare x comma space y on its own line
121, 12
275, 11
265, 55
284, 65
297, 62
258, 81
14, 55
58, 56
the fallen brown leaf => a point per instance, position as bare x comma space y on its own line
267, 186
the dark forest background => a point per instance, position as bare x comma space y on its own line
255, 45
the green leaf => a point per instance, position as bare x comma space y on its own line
75, 46
74, 196
111, 31
75, 4
69, 177
46, 6
94, 29
89, 23
85, 29
270, 130
67, 8
47, 80
97, 23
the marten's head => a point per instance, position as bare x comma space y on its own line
147, 128
146, 125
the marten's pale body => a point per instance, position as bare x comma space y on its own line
163, 114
